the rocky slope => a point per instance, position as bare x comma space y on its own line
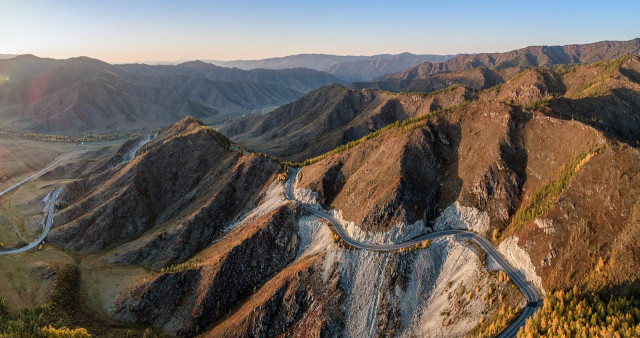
224, 254
334, 115
145, 209
548, 190
529, 163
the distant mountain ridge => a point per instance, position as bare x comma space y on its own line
300, 79
345, 67
83, 95
499, 67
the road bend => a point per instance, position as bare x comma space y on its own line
46, 225
45, 169
528, 290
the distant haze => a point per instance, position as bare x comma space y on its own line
131, 31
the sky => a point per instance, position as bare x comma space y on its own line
139, 30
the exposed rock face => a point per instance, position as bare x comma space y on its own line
406, 177
521, 260
436, 290
153, 302
458, 216
491, 159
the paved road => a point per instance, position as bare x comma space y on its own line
46, 226
529, 291
52, 200
45, 169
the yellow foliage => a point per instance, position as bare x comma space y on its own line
495, 324
571, 314
63, 332
496, 235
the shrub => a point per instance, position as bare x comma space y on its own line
181, 267
63, 332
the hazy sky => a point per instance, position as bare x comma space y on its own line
131, 30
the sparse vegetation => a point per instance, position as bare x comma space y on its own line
575, 314
400, 126
338, 240
421, 245
70, 139
502, 276
222, 140
539, 104
545, 196
26, 323
283, 176
181, 267
594, 88
65, 292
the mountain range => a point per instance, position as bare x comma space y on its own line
335, 115
485, 70
350, 210
346, 68
83, 95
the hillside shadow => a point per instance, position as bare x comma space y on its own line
616, 114
631, 74
625, 289
391, 112
516, 158
333, 181
450, 184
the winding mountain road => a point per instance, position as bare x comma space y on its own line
45, 229
529, 291
51, 201
45, 169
